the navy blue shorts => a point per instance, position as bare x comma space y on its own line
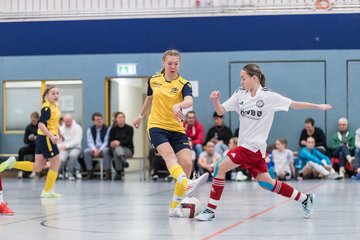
45, 147
178, 141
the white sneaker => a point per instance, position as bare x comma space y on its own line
8, 164
193, 185
78, 175
20, 175
308, 205
342, 172
205, 215
70, 177
32, 175
49, 194
240, 176
175, 212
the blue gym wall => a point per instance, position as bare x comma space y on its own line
305, 57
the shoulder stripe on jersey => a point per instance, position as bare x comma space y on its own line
239, 89
182, 81
266, 89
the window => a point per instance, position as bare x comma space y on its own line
21, 98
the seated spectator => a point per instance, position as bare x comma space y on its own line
269, 160
208, 159
219, 134
317, 133
357, 154
342, 144
195, 132
121, 144
98, 146
283, 159
29, 140
237, 173
316, 163
236, 132
70, 148
158, 167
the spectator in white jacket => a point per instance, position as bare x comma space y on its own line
70, 147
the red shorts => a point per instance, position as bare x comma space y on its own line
247, 159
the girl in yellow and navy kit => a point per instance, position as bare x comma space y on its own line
168, 93
46, 140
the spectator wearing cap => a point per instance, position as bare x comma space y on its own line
219, 134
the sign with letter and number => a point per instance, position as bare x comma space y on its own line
126, 69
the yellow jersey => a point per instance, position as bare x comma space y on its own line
165, 95
50, 116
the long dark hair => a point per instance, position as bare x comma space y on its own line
171, 52
47, 90
253, 69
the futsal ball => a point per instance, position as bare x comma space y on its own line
190, 207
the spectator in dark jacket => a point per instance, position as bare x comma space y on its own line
121, 143
317, 133
29, 140
219, 134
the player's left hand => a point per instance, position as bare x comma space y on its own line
325, 107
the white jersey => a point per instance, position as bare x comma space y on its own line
282, 160
256, 115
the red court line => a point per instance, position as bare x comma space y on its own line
255, 215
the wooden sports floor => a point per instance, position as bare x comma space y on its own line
132, 209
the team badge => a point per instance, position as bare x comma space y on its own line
174, 90
260, 103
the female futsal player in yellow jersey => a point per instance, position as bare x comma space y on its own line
46, 148
168, 93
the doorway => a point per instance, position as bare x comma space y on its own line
127, 95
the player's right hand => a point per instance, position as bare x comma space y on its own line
137, 122
54, 139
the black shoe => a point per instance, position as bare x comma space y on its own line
168, 179
154, 177
117, 176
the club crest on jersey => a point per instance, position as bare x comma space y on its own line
260, 103
174, 90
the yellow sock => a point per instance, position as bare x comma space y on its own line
50, 180
24, 165
179, 193
178, 173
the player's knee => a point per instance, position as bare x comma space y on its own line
187, 164
266, 185
38, 168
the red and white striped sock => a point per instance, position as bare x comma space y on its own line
288, 191
217, 188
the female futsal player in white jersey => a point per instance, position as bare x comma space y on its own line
256, 106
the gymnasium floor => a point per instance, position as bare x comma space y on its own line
138, 210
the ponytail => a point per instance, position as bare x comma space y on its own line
46, 92
254, 70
